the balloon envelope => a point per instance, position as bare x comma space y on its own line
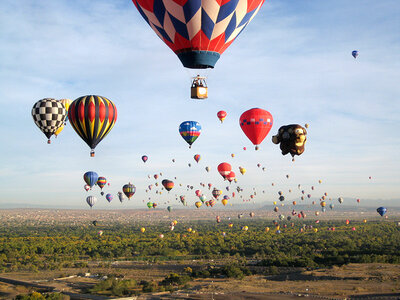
221, 115
129, 190
256, 124
49, 115
91, 200
101, 182
190, 131
198, 31
381, 210
90, 178
92, 117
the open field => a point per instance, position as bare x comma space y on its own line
61, 251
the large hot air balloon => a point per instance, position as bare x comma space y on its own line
92, 117
129, 190
168, 184
381, 210
221, 115
224, 169
101, 182
354, 53
49, 115
198, 31
256, 124
90, 178
91, 200
292, 139
190, 131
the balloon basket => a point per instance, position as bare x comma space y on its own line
199, 88
199, 93
48, 141
92, 153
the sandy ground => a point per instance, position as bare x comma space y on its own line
336, 283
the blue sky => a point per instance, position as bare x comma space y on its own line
294, 60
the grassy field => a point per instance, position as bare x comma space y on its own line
213, 260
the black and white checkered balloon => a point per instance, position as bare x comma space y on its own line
49, 115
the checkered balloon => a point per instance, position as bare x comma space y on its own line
49, 115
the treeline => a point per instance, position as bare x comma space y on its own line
70, 247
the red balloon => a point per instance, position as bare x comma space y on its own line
256, 124
231, 176
221, 115
224, 169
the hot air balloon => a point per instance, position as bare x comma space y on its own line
129, 190
224, 169
354, 53
216, 193
168, 184
121, 197
256, 124
100, 232
58, 131
190, 131
340, 199
224, 201
381, 210
91, 200
203, 198
208, 169
109, 197
221, 115
242, 170
198, 204
150, 204
142, 229
86, 187
291, 138
251, 214
231, 176
169, 208
154, 205
197, 157
92, 117
90, 178
49, 115
66, 103
101, 182
198, 32
144, 158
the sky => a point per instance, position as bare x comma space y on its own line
294, 60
